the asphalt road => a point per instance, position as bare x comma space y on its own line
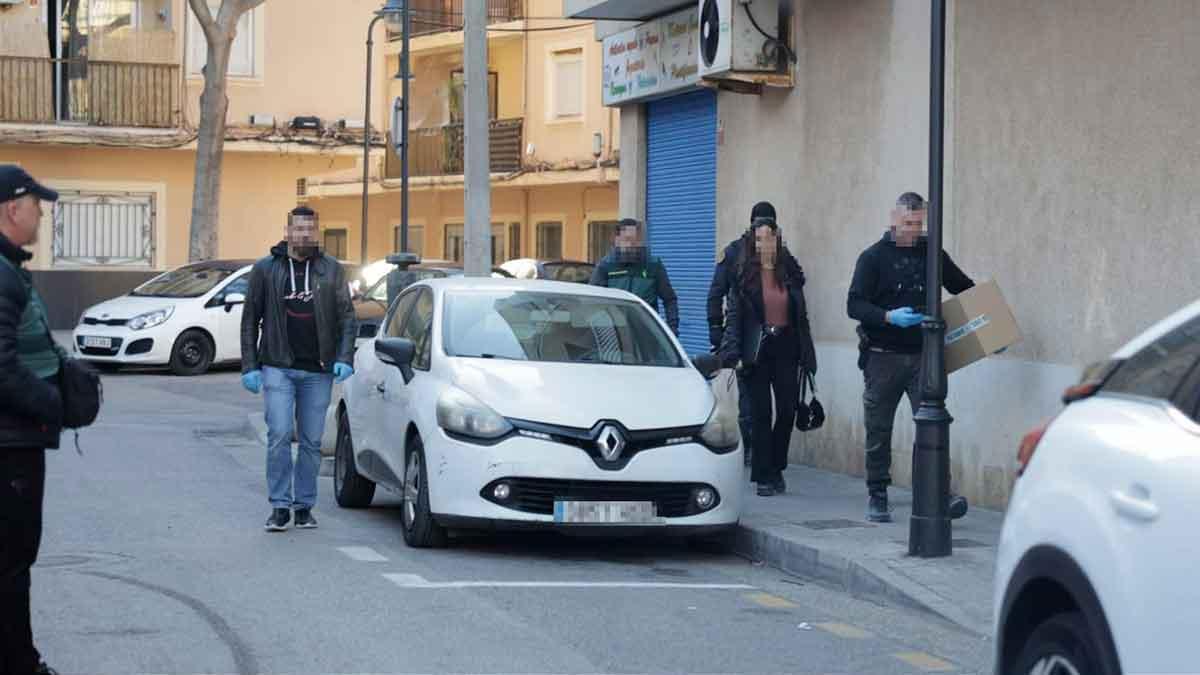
154, 560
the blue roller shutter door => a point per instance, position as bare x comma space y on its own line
681, 202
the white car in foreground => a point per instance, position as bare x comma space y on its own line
494, 404
188, 319
1096, 570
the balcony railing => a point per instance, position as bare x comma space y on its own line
104, 93
439, 16
439, 151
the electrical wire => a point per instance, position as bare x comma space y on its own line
779, 44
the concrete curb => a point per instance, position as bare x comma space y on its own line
867, 579
256, 428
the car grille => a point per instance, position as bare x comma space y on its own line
96, 351
587, 440
537, 495
92, 321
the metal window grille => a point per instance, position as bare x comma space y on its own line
105, 229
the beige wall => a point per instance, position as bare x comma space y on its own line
257, 190
314, 58
23, 32
574, 205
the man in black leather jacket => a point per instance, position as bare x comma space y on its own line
30, 415
298, 331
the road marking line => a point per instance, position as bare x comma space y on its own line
417, 581
772, 601
844, 630
362, 553
925, 661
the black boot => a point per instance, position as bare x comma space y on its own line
877, 507
957, 507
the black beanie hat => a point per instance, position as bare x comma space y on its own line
762, 210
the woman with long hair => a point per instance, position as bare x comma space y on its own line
767, 334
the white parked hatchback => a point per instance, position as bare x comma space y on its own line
1096, 570
494, 404
188, 319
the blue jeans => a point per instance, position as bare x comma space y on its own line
293, 396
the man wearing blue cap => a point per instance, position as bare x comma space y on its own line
31, 412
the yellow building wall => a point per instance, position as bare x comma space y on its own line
257, 189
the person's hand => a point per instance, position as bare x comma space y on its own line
342, 372
252, 381
904, 317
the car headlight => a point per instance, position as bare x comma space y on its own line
150, 319
461, 413
720, 433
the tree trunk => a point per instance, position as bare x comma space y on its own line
210, 146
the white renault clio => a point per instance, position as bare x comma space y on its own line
494, 404
188, 319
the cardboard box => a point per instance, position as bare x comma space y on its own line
978, 324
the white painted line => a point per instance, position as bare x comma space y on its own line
417, 581
362, 554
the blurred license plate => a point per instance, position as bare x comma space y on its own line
98, 342
605, 512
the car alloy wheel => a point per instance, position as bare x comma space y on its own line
351, 489
412, 490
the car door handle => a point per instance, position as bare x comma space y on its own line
381, 388
1135, 506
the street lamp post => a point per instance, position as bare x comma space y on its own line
929, 527
393, 11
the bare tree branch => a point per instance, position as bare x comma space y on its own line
205, 17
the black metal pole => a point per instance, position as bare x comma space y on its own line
404, 73
367, 138
929, 528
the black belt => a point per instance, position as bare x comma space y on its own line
775, 331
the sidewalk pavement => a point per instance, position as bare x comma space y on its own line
818, 530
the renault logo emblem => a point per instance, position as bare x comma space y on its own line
611, 443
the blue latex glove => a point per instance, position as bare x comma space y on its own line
252, 381
904, 317
342, 372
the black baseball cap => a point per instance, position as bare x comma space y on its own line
15, 183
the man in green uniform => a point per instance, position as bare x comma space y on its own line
630, 268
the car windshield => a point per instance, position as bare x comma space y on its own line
190, 281
574, 272
554, 327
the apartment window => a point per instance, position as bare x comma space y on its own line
109, 229
550, 241
453, 242
568, 83
458, 96
514, 241
416, 240
242, 62
601, 234
335, 243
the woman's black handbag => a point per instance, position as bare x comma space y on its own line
809, 416
82, 393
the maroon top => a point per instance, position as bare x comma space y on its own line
775, 299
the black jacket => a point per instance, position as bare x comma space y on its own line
889, 277
265, 305
744, 318
30, 407
724, 278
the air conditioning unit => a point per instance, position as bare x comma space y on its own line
260, 120
740, 37
350, 124
307, 122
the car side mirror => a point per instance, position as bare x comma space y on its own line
234, 299
397, 352
707, 364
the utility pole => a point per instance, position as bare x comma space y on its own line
478, 208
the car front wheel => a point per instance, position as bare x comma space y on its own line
420, 529
192, 353
351, 489
1061, 645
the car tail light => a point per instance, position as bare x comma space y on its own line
1029, 444
1094, 377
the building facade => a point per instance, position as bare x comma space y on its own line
554, 147
1070, 155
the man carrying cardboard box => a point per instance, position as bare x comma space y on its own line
887, 297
